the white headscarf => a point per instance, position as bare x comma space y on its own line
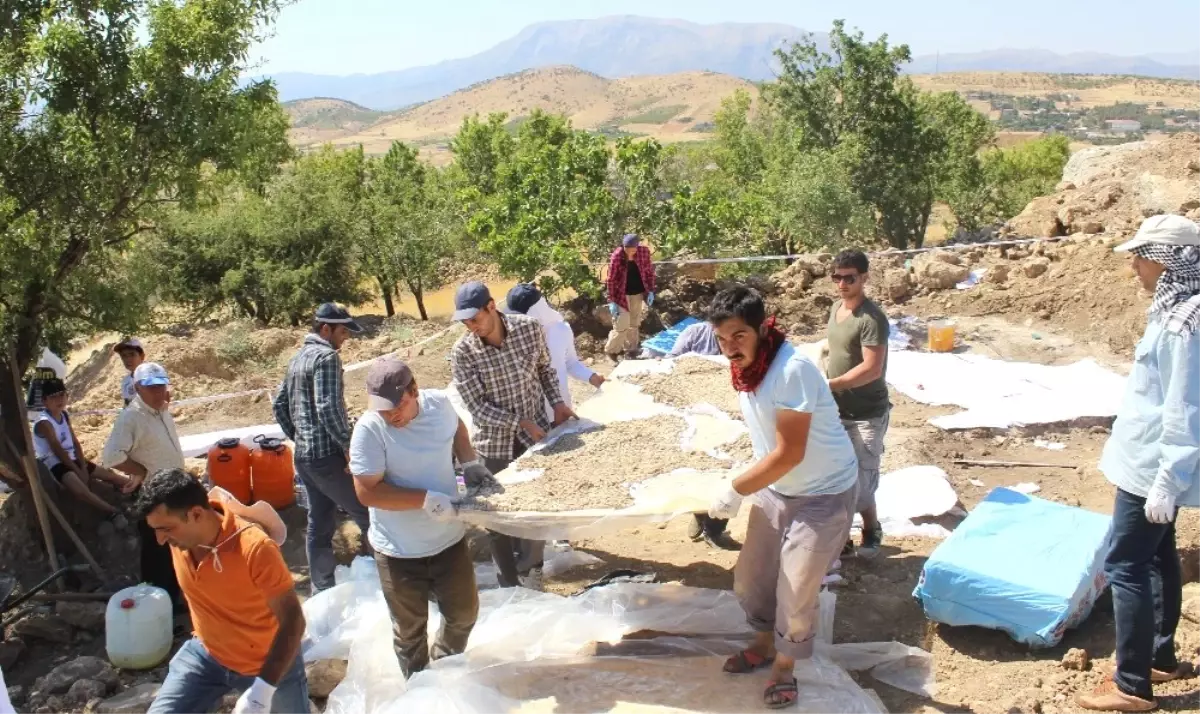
543, 313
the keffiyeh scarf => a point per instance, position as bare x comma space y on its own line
748, 379
1177, 295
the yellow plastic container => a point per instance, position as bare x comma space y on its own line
941, 336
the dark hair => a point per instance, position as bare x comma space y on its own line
317, 325
53, 386
176, 489
852, 259
741, 302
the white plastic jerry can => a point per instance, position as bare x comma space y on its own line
138, 627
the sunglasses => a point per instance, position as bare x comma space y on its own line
847, 279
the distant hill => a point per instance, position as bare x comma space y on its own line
670, 108
627, 46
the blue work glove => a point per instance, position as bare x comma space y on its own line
614, 309
649, 299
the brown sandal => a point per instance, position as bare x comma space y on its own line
780, 695
746, 661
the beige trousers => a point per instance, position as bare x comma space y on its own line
624, 335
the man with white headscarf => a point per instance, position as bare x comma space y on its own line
526, 299
1153, 458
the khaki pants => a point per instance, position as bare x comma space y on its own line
867, 436
624, 335
791, 542
409, 583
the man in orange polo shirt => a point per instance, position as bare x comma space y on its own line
247, 619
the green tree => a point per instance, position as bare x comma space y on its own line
106, 111
957, 134
1017, 175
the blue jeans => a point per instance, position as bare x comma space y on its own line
196, 682
1143, 569
329, 487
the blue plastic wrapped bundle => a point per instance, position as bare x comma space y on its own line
1020, 564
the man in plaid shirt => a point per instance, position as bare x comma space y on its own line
630, 286
502, 370
311, 410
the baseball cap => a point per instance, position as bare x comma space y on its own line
630, 240
150, 374
333, 314
522, 297
1163, 230
387, 381
130, 343
50, 387
469, 299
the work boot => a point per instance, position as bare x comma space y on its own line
1185, 670
1107, 697
872, 541
848, 550
532, 580
695, 530
722, 541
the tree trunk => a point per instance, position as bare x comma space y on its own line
387, 289
244, 303
419, 295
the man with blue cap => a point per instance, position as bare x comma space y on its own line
502, 371
630, 286
311, 410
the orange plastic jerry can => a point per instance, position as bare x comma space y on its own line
229, 468
273, 472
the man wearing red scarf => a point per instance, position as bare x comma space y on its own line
803, 484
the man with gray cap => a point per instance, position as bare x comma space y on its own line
1153, 458
402, 457
630, 287
502, 370
311, 410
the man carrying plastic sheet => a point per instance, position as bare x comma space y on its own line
1153, 458
804, 483
401, 455
311, 410
502, 370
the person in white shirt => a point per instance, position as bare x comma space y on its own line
402, 453
804, 482
526, 299
56, 447
132, 354
143, 441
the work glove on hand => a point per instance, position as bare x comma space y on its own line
727, 505
477, 475
256, 699
649, 299
438, 506
1160, 504
614, 309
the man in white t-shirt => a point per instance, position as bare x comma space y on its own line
402, 455
132, 354
804, 483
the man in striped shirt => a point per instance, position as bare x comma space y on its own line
311, 410
502, 370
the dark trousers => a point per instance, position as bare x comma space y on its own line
712, 527
1143, 569
512, 555
156, 566
329, 486
447, 578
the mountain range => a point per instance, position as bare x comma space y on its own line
627, 46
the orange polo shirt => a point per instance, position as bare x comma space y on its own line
229, 607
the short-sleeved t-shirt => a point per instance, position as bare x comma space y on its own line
867, 326
229, 606
62, 430
794, 382
418, 455
127, 390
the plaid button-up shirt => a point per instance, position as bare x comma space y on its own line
503, 385
618, 265
311, 406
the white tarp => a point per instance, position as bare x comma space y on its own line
194, 445
538, 652
909, 493
1000, 394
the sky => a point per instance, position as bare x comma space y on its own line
367, 36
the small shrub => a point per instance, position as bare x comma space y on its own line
236, 346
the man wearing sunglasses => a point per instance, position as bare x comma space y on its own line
858, 343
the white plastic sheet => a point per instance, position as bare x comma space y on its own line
1000, 394
535, 652
194, 445
913, 492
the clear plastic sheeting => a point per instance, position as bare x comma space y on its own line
537, 652
909, 493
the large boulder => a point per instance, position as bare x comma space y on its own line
43, 626
1035, 267
84, 615
134, 700
934, 274
84, 691
897, 285
61, 678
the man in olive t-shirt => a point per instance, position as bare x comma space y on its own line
858, 343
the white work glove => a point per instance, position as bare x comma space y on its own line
1160, 504
256, 699
438, 506
477, 475
727, 505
